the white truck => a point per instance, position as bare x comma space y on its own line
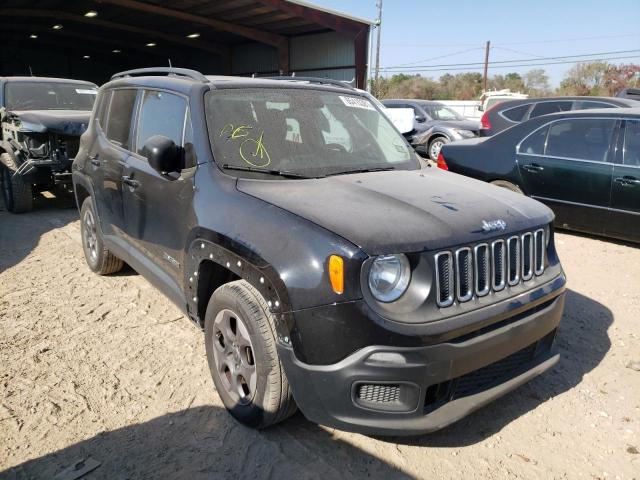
473, 109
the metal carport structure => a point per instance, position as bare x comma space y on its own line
93, 39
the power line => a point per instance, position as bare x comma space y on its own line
440, 56
563, 57
516, 65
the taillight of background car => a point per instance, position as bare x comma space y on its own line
441, 162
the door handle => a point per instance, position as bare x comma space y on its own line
533, 168
127, 180
627, 181
95, 161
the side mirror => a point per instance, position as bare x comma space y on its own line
420, 119
162, 153
480, 108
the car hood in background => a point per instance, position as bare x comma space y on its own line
64, 122
459, 124
402, 211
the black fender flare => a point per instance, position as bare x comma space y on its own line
245, 264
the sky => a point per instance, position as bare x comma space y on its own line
425, 33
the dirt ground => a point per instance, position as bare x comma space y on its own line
106, 370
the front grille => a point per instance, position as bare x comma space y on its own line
378, 393
476, 270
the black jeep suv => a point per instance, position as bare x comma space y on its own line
292, 222
42, 120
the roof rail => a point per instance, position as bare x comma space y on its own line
327, 81
169, 71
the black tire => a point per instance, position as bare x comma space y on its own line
508, 185
434, 147
271, 400
17, 195
98, 257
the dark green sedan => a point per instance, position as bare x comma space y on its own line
585, 165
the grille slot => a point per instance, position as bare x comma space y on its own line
481, 269
539, 247
499, 270
464, 274
527, 256
444, 276
377, 393
513, 261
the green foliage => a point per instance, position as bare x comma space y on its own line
594, 78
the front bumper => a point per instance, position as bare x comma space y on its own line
391, 390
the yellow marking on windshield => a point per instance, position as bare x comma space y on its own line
235, 132
259, 152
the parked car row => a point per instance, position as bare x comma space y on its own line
583, 164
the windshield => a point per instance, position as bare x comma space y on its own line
49, 96
304, 132
440, 112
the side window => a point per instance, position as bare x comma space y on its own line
632, 143
103, 108
534, 143
161, 113
516, 114
587, 104
545, 108
119, 121
582, 139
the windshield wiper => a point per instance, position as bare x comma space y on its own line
361, 170
281, 173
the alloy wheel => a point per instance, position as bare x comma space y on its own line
234, 357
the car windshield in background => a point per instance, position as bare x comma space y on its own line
49, 96
440, 112
301, 133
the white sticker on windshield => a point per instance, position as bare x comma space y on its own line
357, 102
86, 91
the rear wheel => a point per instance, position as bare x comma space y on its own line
435, 146
17, 195
508, 185
99, 258
241, 352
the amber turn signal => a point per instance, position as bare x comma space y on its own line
336, 273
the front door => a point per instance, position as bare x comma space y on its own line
567, 164
624, 221
158, 206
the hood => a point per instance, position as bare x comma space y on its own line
402, 211
65, 122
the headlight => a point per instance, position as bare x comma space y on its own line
389, 277
464, 133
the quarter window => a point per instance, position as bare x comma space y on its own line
583, 139
161, 113
103, 107
119, 121
516, 114
588, 104
632, 143
534, 143
545, 108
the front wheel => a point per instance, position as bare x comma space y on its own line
17, 195
435, 146
241, 351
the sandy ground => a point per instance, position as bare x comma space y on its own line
106, 370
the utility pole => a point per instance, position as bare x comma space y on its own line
486, 64
379, 26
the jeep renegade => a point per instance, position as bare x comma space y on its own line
329, 270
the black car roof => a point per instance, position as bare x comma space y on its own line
505, 104
184, 84
632, 112
45, 79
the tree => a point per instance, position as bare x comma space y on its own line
585, 79
536, 83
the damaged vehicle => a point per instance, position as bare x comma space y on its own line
42, 120
329, 271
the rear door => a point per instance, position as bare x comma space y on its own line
567, 164
157, 207
108, 156
624, 218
